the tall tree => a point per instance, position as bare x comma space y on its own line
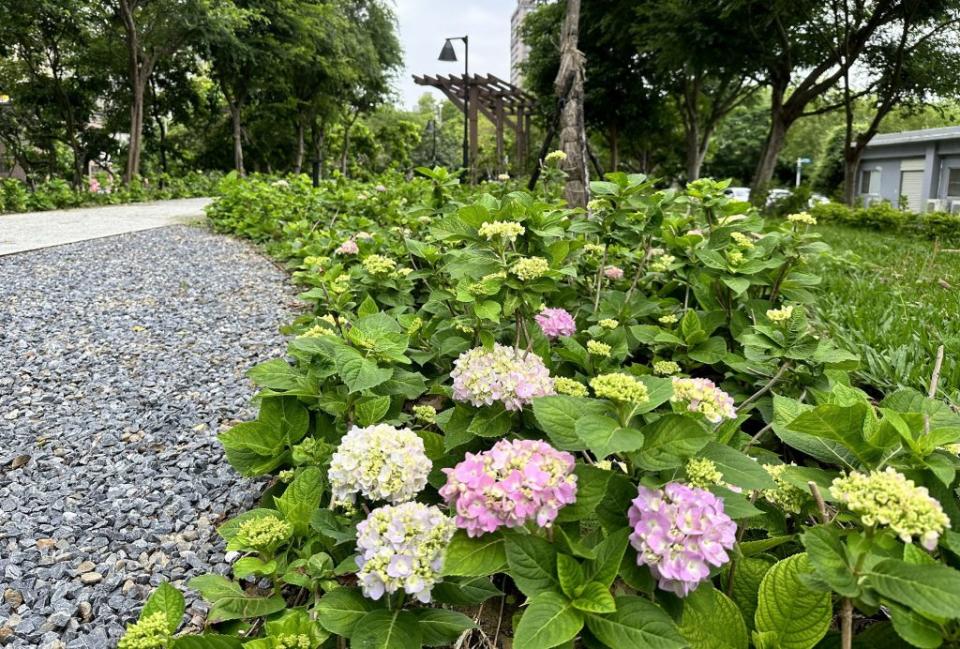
569, 88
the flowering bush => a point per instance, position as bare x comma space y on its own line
618, 429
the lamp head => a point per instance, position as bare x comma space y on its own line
447, 53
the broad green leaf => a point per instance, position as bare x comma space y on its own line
167, 600
214, 587
931, 590
339, 610
609, 555
558, 416
659, 391
638, 623
549, 620
247, 566
371, 410
570, 575
301, 499
465, 592
475, 557
243, 607
788, 608
711, 620
829, 560
207, 641
591, 487
285, 415
253, 436
487, 310
914, 628
383, 629
276, 374
440, 627
357, 372
748, 573
737, 468
831, 452
595, 598
604, 436
670, 441
840, 424
533, 563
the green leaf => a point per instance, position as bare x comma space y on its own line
487, 310
440, 627
746, 584
371, 410
276, 374
286, 416
914, 628
367, 307
737, 468
384, 629
533, 563
558, 416
788, 608
826, 450
591, 487
357, 372
301, 499
247, 566
491, 421
829, 560
670, 441
253, 436
659, 391
167, 600
595, 598
475, 557
570, 575
604, 436
339, 610
549, 620
207, 641
465, 592
638, 623
931, 590
610, 553
240, 606
711, 620
709, 351
840, 424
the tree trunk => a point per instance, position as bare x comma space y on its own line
317, 135
235, 115
694, 159
136, 130
767, 164
569, 87
850, 178
345, 149
301, 146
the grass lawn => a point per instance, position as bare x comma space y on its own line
894, 299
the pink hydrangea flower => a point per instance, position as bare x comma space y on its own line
511, 376
512, 483
94, 186
613, 272
555, 323
348, 247
679, 532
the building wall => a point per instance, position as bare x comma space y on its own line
938, 158
519, 51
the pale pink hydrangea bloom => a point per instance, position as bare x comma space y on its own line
512, 483
703, 396
363, 236
613, 272
556, 322
511, 376
348, 247
679, 532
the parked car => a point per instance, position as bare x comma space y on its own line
777, 195
738, 193
817, 199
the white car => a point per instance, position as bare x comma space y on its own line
777, 195
738, 193
817, 199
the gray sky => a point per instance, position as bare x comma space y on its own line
424, 24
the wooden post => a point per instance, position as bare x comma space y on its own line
474, 135
499, 125
521, 162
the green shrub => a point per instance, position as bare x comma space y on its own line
15, 195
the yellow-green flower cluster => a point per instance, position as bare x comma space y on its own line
670, 318
505, 230
662, 263
426, 414
609, 323
150, 632
665, 368
780, 315
593, 249
555, 156
889, 498
530, 268
263, 534
563, 385
598, 205
742, 240
598, 348
378, 264
415, 325
703, 473
802, 217
620, 387
315, 262
787, 496
340, 284
735, 257
292, 641
401, 272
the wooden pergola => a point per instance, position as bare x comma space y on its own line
503, 103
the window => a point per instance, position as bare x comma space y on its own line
953, 181
866, 181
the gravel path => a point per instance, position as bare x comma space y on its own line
35, 230
120, 359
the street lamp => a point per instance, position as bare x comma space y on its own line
449, 54
800, 163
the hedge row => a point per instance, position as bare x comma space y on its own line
883, 216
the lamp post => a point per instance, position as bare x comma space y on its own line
800, 163
449, 54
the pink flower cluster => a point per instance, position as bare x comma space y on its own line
555, 323
348, 247
679, 532
613, 272
512, 376
512, 483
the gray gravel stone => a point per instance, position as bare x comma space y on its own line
120, 360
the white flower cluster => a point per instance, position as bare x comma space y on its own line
381, 463
402, 547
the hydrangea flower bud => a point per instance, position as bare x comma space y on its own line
679, 532
555, 323
555, 156
598, 348
505, 230
263, 534
150, 632
514, 482
889, 498
530, 268
670, 318
662, 263
426, 414
701, 395
378, 264
609, 323
511, 376
665, 368
780, 315
788, 497
402, 547
381, 463
703, 473
563, 385
620, 387
802, 217
742, 240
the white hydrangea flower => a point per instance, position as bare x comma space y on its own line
379, 462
